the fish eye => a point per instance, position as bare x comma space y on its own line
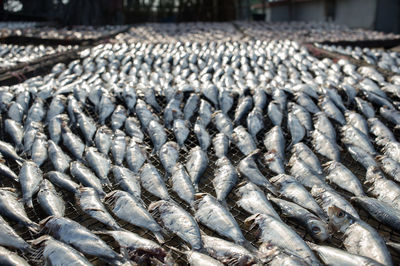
316, 229
340, 214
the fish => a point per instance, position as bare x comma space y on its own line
90, 203
331, 110
223, 123
144, 114
135, 156
292, 190
54, 127
217, 218
253, 200
382, 188
243, 140
302, 151
50, 200
296, 129
323, 124
228, 252
58, 158
225, 178
205, 112
341, 176
182, 184
361, 156
16, 132
255, 122
196, 165
169, 155
105, 108
365, 108
175, 219
7, 172
357, 121
11, 258
150, 98
202, 135
278, 233
381, 211
130, 97
244, 106
39, 152
56, 252
157, 135
127, 208
13, 209
15, 112
377, 128
127, 180
274, 141
152, 181
369, 243
118, 147
317, 228
62, 180
325, 146
181, 131
10, 238
86, 177
225, 101
139, 249
103, 139
132, 128
72, 142
69, 232
191, 106
275, 113
328, 197
30, 177
353, 136
87, 126
99, 163
220, 145
8, 151
172, 111
274, 162
302, 115
306, 102
248, 168
118, 117
389, 166
334, 256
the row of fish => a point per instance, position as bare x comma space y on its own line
389, 60
102, 124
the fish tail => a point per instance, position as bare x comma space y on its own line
159, 237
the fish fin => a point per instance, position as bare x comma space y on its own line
34, 227
159, 237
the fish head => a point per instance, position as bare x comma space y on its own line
339, 219
318, 230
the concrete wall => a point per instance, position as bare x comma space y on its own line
309, 11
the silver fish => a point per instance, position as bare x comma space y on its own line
205, 112
54, 127
8, 151
105, 108
302, 151
181, 131
223, 123
16, 133
329, 197
172, 110
274, 162
72, 142
143, 113
227, 252
30, 177
56, 253
217, 218
150, 98
152, 181
39, 149
57, 106
191, 106
157, 135
244, 106
62, 180
377, 128
178, 221
132, 128
15, 112
341, 176
10, 238
278, 233
129, 209
202, 135
182, 184
357, 121
225, 178
99, 163
314, 225
11, 258
306, 102
331, 110
36, 112
72, 233
274, 141
243, 140
86, 125
296, 129
129, 96
169, 154
86, 177
58, 158
361, 156
390, 115
220, 145
50, 201
336, 257
259, 99
369, 243
253, 200
225, 101
325, 146
89, 201
118, 117
302, 115
196, 164
103, 139
323, 124
389, 166
135, 156
248, 168
365, 108
255, 122
353, 136
275, 113
118, 147
290, 189
12, 208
